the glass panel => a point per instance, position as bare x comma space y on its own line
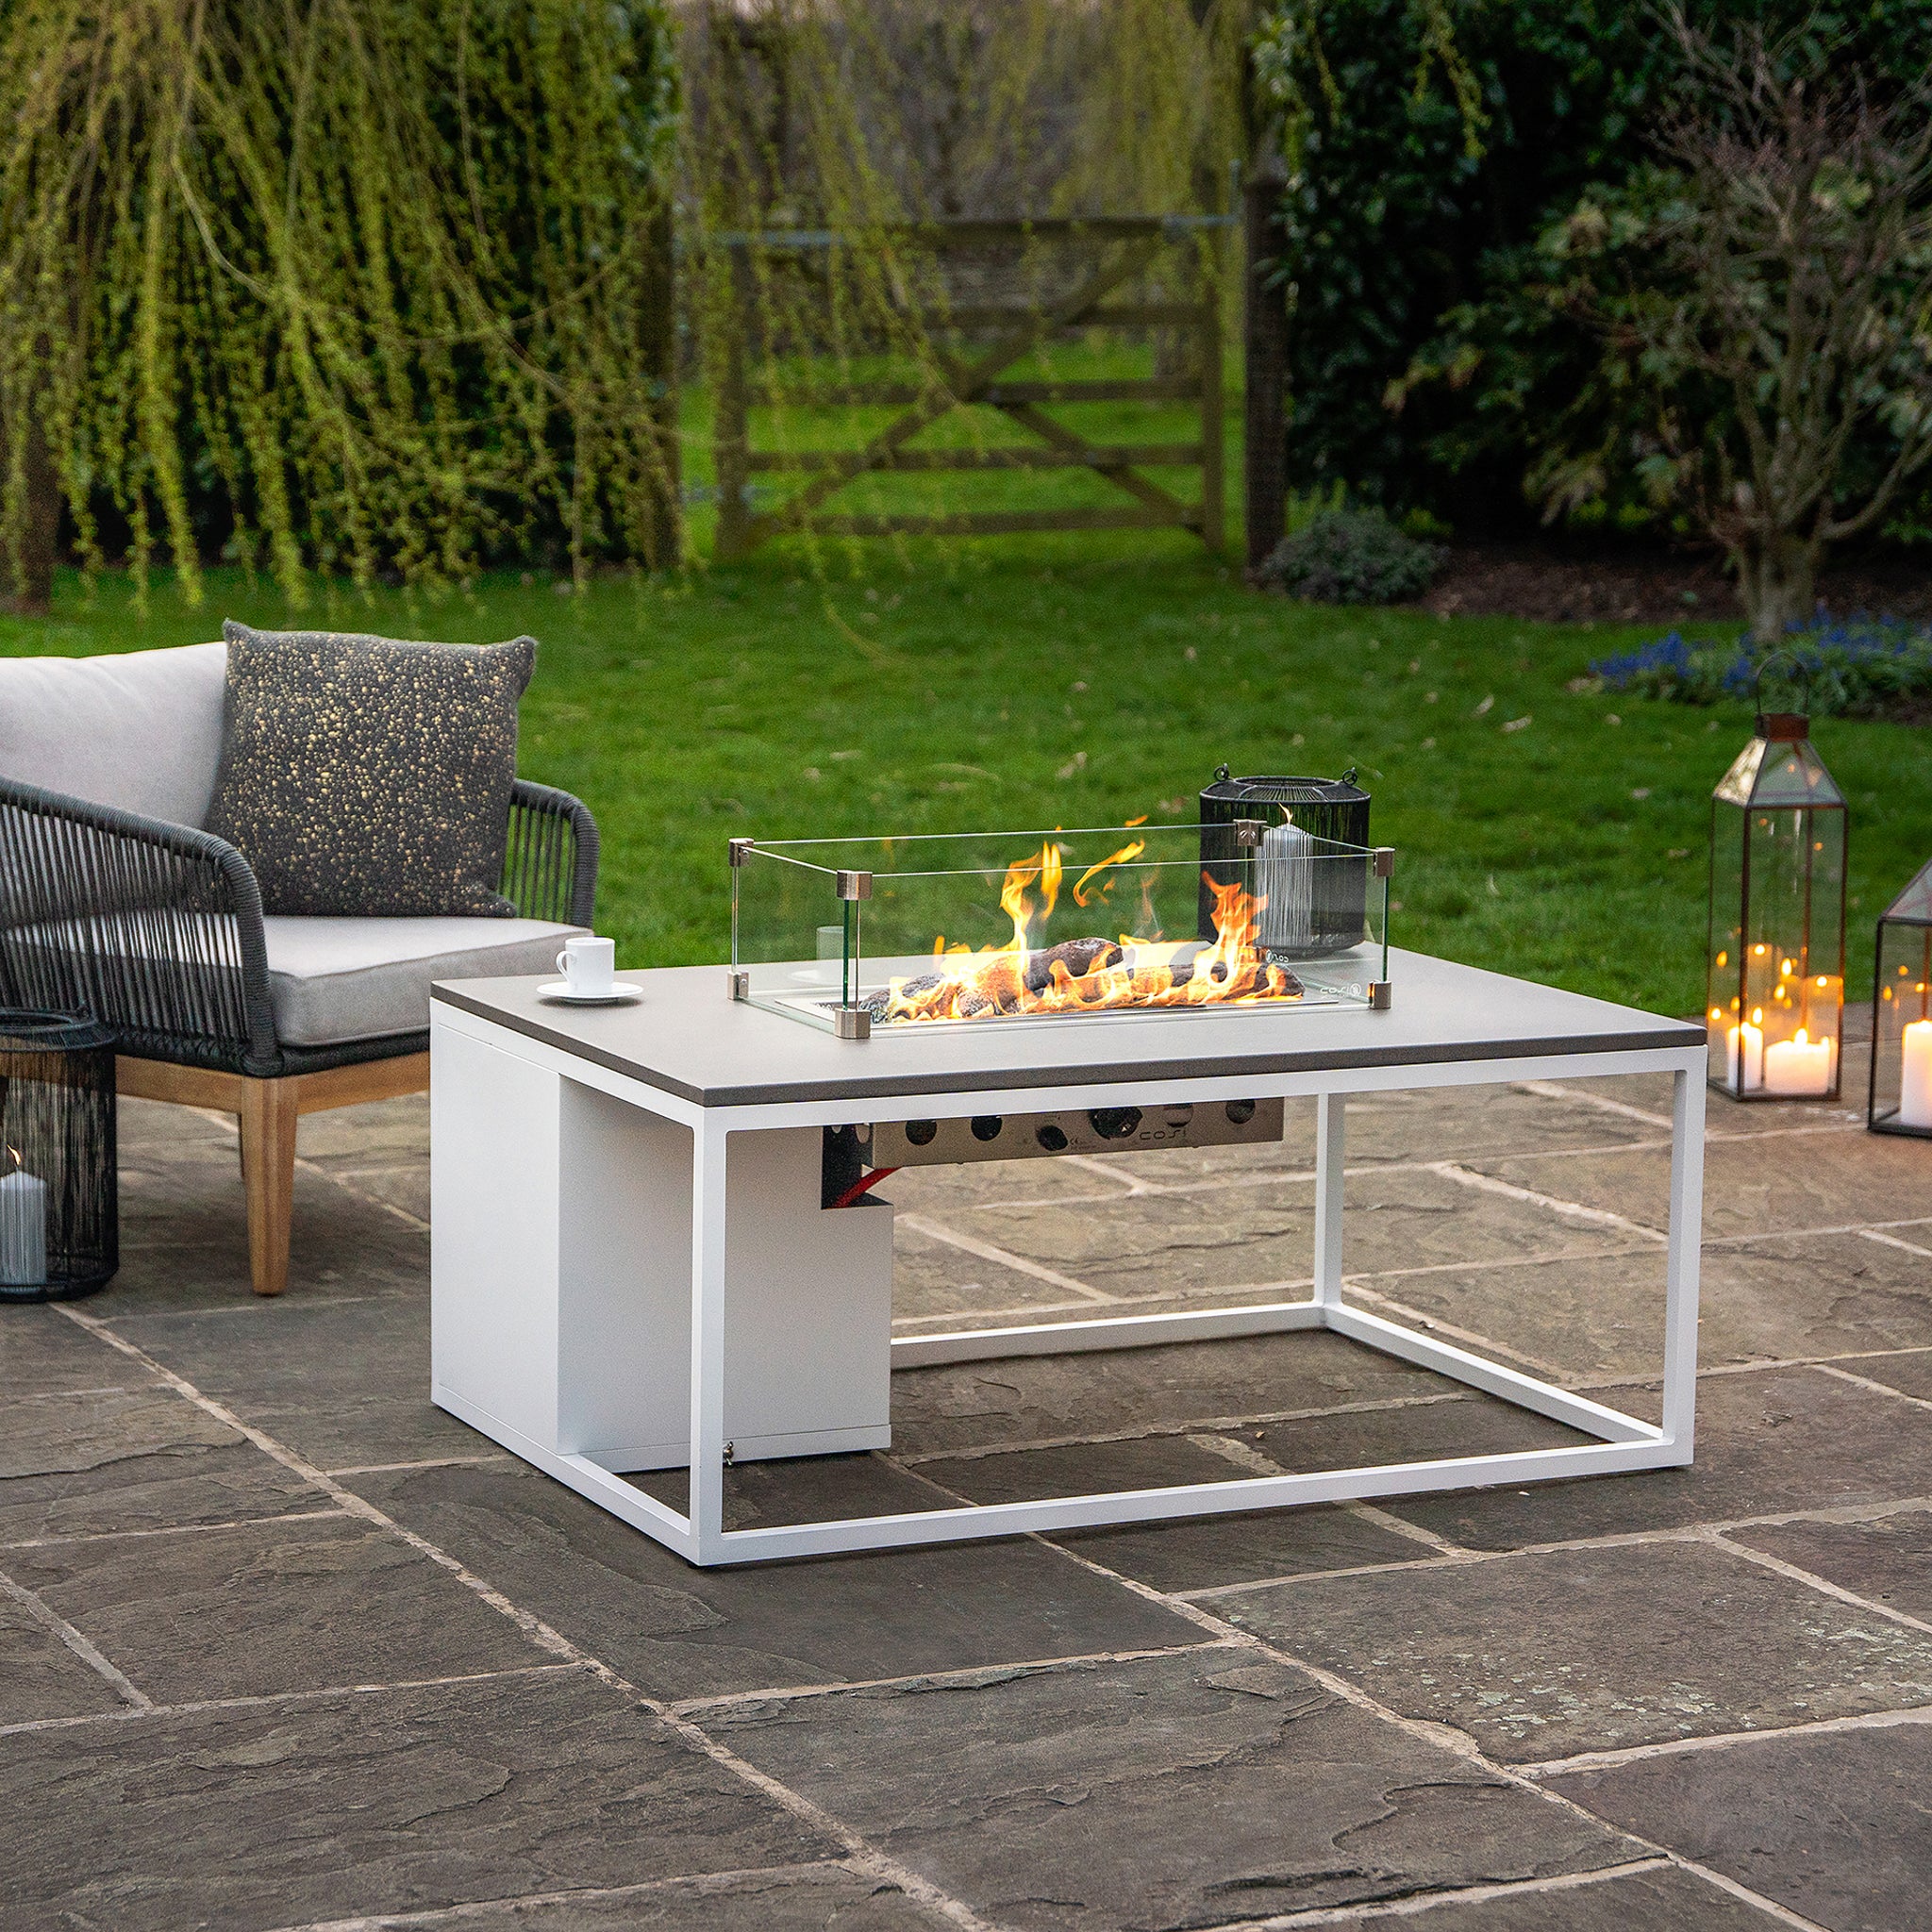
1777, 951
1725, 976
1037, 925
1901, 1030
1915, 901
1794, 775
792, 937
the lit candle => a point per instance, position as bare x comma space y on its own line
1915, 1080
22, 1229
1751, 1040
1798, 1065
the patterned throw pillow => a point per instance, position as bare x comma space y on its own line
368, 777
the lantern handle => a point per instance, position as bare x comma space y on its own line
1800, 674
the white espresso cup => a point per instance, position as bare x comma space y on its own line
587, 965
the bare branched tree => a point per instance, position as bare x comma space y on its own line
1777, 300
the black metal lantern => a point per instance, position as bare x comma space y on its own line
1334, 809
60, 1221
1777, 951
1900, 1101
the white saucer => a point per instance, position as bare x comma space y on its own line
619, 996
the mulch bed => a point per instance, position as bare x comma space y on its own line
1660, 587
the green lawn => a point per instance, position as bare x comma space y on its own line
1084, 681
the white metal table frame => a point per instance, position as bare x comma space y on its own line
1624, 1443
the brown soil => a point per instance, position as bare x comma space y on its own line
1660, 587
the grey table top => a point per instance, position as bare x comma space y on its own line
688, 1038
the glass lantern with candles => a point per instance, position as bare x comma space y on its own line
1900, 1101
1777, 954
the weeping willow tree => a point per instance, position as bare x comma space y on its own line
354, 286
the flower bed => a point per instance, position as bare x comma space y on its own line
1863, 668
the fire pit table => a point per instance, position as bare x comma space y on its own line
641, 1261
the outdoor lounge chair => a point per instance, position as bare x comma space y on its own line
114, 902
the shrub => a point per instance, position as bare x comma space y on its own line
1865, 668
1433, 361
1350, 556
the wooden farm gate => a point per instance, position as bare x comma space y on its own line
1127, 246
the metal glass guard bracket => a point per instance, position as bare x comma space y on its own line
531, 1228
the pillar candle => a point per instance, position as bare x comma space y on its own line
1915, 1078
1752, 1039
1798, 1065
23, 1230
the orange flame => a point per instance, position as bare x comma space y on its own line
1089, 975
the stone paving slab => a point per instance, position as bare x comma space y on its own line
1786, 1296
1911, 1374
280, 1814
1047, 1398
1777, 1298
1575, 1317
77, 1463
372, 1255
343, 1381
77, 1431
272, 1607
1778, 1183
1666, 1899
678, 1632
1773, 1440
1833, 1825
1169, 1792
1209, 1551
1543, 1657
40, 1677
945, 1191
801, 1898
42, 1352
802, 1488
404, 1189
1887, 1562
367, 1135
1146, 1245
1092, 1469
1468, 1424
1153, 1243
932, 1276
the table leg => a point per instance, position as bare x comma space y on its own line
1330, 1136
1681, 1259
709, 1142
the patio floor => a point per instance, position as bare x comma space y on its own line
282, 1645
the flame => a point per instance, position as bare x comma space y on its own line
1132, 850
1091, 975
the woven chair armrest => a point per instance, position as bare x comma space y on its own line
550, 862
153, 928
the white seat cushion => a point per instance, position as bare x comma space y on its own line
333, 980
141, 731
329, 980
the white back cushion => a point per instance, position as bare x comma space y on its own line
141, 731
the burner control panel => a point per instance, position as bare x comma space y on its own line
1089, 1130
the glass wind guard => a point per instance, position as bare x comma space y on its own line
1777, 966
1048, 925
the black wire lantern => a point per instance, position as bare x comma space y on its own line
1900, 1099
1776, 948
1335, 810
59, 1217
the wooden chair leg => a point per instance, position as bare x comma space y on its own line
267, 1173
